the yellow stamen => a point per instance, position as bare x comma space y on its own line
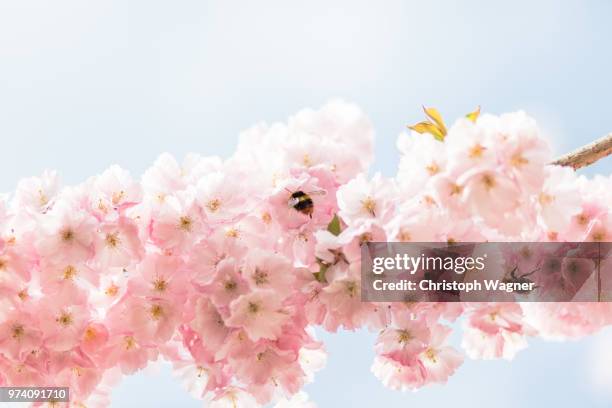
525, 252
117, 197
351, 288
582, 219
404, 236
156, 312
369, 205
64, 319
489, 181
306, 160
42, 198
213, 205
365, 237
185, 223
112, 240
69, 272
18, 331
112, 290
598, 236
476, 151
90, 334
404, 336
518, 160
431, 355
160, 285
232, 233
201, 371
266, 217
433, 168
23, 294
456, 189
230, 285
260, 277
254, 307
67, 235
546, 199
130, 342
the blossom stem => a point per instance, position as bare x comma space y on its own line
588, 154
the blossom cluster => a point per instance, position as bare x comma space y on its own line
225, 267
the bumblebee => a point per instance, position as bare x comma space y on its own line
302, 202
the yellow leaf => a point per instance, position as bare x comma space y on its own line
434, 115
473, 116
427, 127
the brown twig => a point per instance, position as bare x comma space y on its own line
588, 154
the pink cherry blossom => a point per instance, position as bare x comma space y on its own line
210, 264
259, 313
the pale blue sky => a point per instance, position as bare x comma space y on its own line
84, 84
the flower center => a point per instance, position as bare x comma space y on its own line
64, 319
42, 198
431, 355
185, 223
433, 168
18, 331
67, 235
306, 160
582, 219
254, 307
489, 181
23, 294
546, 199
112, 290
112, 240
213, 205
476, 151
598, 236
69, 272
129, 341
404, 236
230, 285
156, 312
90, 334
160, 285
266, 217
455, 189
231, 233
518, 160
201, 371
117, 197
369, 205
365, 237
260, 277
351, 288
403, 336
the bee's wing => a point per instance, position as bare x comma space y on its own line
292, 202
318, 192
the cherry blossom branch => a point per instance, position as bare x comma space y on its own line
587, 155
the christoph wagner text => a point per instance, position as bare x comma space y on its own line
427, 285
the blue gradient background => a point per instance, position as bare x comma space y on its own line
84, 84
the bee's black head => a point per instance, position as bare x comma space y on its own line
298, 194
